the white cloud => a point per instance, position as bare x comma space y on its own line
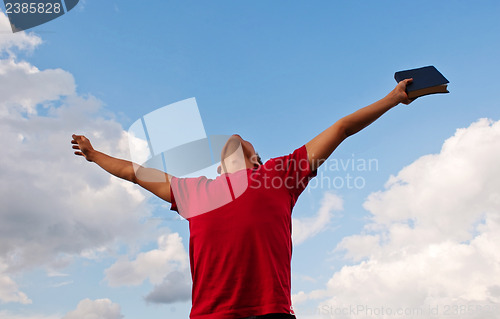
357, 247
21, 40
61, 284
304, 228
55, 203
56, 206
95, 309
9, 291
434, 241
175, 287
166, 267
24, 86
154, 264
10, 315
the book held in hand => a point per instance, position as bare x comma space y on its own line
426, 80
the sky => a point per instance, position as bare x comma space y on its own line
403, 221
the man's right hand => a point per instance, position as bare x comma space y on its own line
399, 95
83, 146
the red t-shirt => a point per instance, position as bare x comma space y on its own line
240, 244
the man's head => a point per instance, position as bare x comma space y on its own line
238, 154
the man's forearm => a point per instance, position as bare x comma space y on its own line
115, 166
355, 122
155, 181
320, 147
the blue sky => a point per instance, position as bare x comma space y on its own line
278, 74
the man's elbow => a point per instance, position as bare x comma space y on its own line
343, 129
131, 176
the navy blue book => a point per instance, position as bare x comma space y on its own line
426, 80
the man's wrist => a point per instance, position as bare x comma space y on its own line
392, 99
91, 155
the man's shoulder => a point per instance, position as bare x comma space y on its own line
297, 155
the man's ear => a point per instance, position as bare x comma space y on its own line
254, 160
219, 169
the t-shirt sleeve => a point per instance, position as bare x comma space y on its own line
295, 171
191, 197
172, 200
180, 190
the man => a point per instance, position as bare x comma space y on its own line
240, 223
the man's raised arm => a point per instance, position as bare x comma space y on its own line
155, 181
320, 147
